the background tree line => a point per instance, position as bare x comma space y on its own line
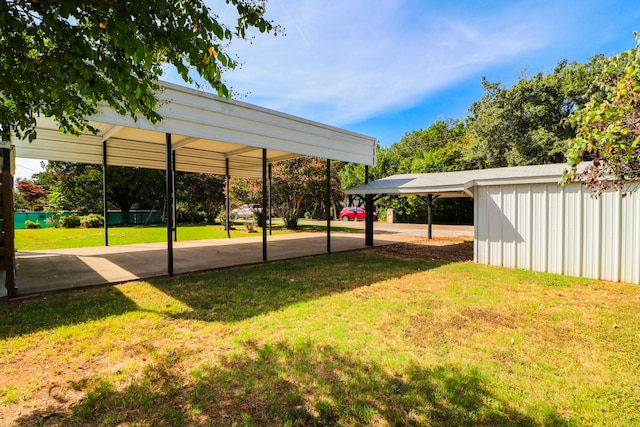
525, 124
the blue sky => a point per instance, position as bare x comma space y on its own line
386, 67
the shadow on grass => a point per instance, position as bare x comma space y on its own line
240, 293
301, 385
231, 294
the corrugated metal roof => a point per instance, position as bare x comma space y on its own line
459, 183
206, 130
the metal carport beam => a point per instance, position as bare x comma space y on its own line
241, 151
111, 132
184, 142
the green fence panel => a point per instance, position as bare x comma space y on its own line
137, 217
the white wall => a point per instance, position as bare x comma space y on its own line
547, 227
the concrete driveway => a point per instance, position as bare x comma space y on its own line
52, 270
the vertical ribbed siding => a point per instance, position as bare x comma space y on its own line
523, 226
555, 228
494, 200
481, 229
630, 239
573, 235
591, 229
539, 240
546, 227
509, 234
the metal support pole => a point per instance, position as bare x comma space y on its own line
430, 215
429, 202
228, 225
270, 182
169, 202
8, 225
368, 226
175, 204
264, 202
105, 210
328, 206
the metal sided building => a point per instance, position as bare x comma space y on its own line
525, 219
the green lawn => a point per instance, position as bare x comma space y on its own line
370, 337
53, 238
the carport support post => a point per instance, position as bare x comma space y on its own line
7, 205
264, 204
270, 179
175, 205
169, 196
228, 226
368, 225
105, 211
328, 205
429, 202
430, 215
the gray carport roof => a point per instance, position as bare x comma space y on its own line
460, 183
206, 131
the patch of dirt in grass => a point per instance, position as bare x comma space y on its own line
432, 250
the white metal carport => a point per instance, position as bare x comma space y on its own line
205, 131
525, 219
199, 132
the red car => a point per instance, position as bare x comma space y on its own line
355, 213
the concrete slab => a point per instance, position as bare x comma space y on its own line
52, 270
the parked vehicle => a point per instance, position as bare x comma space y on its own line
355, 213
245, 211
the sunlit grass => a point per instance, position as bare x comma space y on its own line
347, 339
55, 238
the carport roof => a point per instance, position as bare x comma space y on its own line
206, 131
460, 183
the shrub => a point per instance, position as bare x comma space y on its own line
70, 221
291, 222
53, 220
211, 218
92, 221
222, 218
259, 218
32, 224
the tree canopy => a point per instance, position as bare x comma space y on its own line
527, 123
60, 58
78, 187
608, 127
438, 148
299, 185
32, 196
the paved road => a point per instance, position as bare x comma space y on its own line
401, 229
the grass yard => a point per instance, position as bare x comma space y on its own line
394, 335
54, 238
57, 238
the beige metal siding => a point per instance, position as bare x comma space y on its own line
546, 227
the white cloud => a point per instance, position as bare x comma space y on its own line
341, 62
